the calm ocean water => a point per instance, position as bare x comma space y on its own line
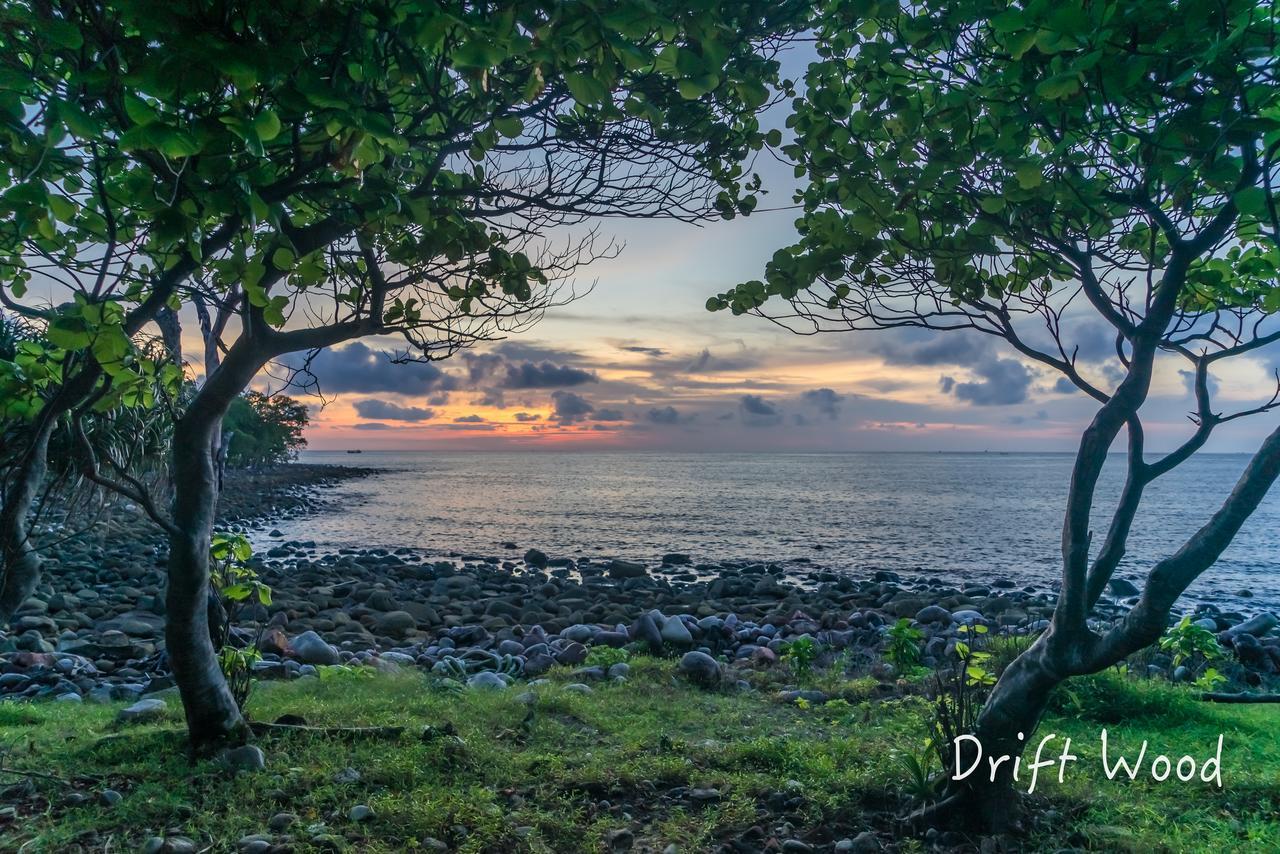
956, 516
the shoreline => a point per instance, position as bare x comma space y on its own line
96, 630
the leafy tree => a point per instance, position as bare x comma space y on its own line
126, 433
1033, 172
263, 430
305, 173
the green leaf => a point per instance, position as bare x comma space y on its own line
69, 333
174, 143
585, 88
283, 259
139, 111
61, 32
1057, 88
1029, 176
1252, 201
509, 126
266, 125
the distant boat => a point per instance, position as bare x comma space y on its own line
357, 451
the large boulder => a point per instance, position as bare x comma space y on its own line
676, 633
310, 648
1256, 626
934, 614
646, 631
700, 669
396, 624
627, 569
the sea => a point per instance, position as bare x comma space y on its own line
953, 516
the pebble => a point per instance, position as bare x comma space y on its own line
97, 639
143, 711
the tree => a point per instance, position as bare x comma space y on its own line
305, 173
1031, 173
266, 429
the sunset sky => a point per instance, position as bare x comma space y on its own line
639, 363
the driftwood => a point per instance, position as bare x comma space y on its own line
1243, 697
39, 775
348, 732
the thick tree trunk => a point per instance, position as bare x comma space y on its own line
19, 561
1006, 724
213, 718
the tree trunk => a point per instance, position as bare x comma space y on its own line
19, 560
1005, 726
213, 718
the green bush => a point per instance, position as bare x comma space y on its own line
263, 430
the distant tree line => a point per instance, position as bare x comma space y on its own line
263, 430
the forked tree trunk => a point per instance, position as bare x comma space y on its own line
213, 718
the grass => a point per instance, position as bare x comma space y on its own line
494, 773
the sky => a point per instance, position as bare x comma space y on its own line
638, 363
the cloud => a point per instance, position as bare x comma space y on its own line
385, 410
1003, 382
939, 349
359, 368
491, 397
647, 351
546, 375
664, 415
481, 365
371, 425
1189, 379
468, 419
825, 400
608, 415
705, 363
758, 412
1065, 386
570, 408
527, 416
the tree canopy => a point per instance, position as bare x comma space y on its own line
1036, 173
964, 157
303, 173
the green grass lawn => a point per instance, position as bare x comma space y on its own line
494, 773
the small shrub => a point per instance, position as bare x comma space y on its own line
800, 655
903, 645
1209, 680
235, 584
922, 781
606, 656
1190, 644
1003, 649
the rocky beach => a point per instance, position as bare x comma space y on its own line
94, 631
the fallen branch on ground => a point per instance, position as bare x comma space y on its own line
392, 732
1243, 697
